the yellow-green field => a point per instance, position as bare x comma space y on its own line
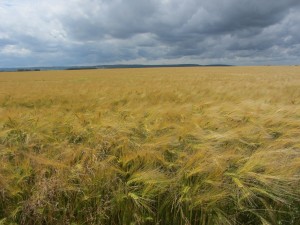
151, 146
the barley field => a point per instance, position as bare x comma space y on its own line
178, 146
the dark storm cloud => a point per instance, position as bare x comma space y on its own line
152, 31
119, 19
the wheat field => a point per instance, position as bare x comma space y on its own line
174, 146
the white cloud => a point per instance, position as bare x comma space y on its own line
13, 50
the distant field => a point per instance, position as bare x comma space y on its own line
151, 146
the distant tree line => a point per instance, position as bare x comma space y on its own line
24, 70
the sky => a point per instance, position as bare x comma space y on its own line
97, 32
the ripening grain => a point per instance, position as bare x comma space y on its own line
151, 146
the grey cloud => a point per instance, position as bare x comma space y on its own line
242, 14
201, 31
100, 19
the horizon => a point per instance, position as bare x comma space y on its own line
126, 66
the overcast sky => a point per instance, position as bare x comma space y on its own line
92, 32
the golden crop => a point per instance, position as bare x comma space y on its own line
151, 146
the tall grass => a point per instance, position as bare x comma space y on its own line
151, 146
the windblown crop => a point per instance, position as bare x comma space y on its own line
151, 146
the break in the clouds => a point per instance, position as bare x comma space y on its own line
75, 32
